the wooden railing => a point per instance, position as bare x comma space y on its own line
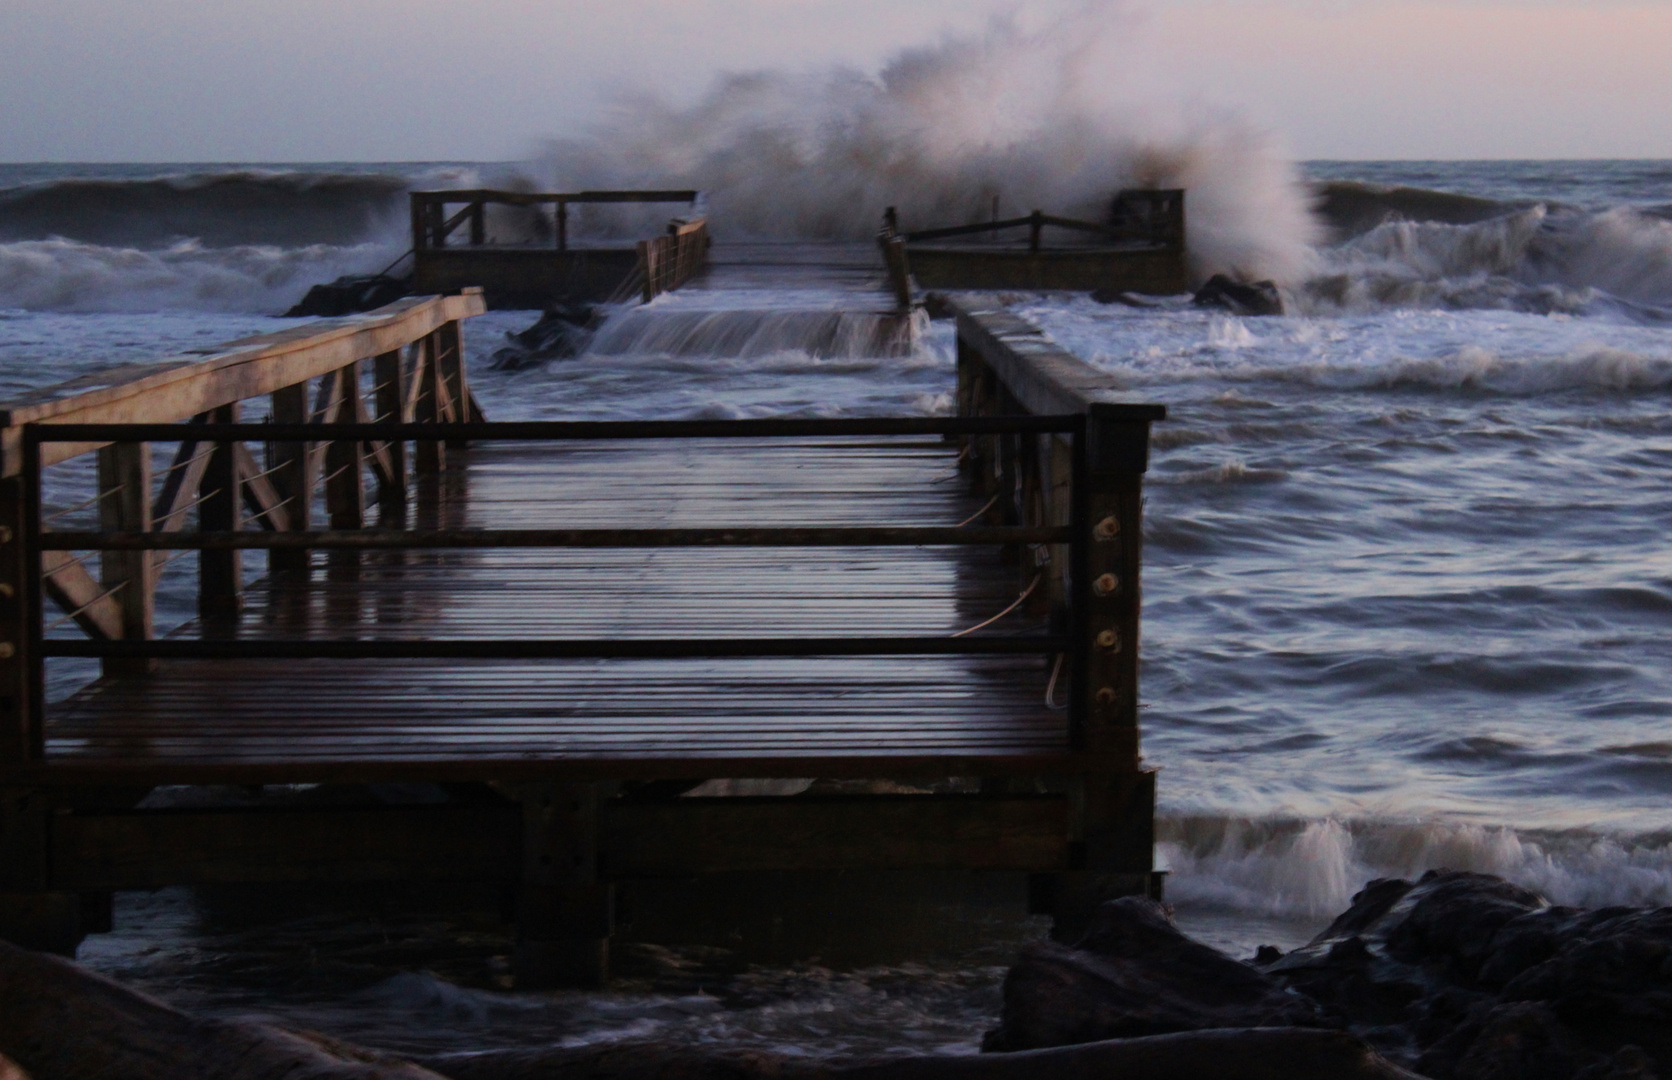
432, 226
1136, 216
1094, 485
401, 364
667, 262
1009, 367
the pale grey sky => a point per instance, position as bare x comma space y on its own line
315, 80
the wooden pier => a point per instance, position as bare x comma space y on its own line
1140, 248
538, 264
565, 628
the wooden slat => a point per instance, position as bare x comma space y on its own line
261, 498
73, 589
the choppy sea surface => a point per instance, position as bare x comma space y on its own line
1408, 581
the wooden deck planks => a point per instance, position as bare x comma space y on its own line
761, 715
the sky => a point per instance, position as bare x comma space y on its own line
426, 80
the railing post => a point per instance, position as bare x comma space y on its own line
647, 267
293, 476
562, 225
450, 373
19, 620
563, 907
418, 209
478, 224
1114, 801
429, 456
125, 506
1108, 531
389, 400
345, 501
220, 580
438, 223
1036, 224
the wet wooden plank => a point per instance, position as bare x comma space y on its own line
745, 716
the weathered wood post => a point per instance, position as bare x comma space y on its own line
1114, 848
564, 909
220, 579
478, 223
429, 455
1036, 225
19, 602
450, 373
293, 477
31, 915
389, 375
124, 479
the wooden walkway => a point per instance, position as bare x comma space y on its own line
562, 628
303, 719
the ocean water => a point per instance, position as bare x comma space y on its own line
1408, 582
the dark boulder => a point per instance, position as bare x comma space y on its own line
563, 330
1135, 974
350, 295
1239, 298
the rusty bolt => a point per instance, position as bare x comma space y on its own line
6, 591
1106, 695
1110, 640
5, 534
1106, 584
1107, 529
6, 650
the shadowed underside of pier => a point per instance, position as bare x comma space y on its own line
315, 718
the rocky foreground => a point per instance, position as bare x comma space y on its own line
1454, 977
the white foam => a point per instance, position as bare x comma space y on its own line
1048, 120
1312, 868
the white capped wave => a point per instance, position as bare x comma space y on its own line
1533, 260
1312, 868
1049, 120
70, 276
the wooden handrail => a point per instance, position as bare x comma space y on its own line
195, 384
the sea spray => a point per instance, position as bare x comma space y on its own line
1312, 867
1020, 119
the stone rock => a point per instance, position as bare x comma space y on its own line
60, 1022
563, 330
350, 295
1134, 974
1257, 298
1468, 976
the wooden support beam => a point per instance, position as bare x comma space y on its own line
174, 502
20, 591
451, 380
261, 498
90, 604
429, 405
129, 578
689, 837
345, 501
148, 849
220, 583
564, 908
389, 400
293, 475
